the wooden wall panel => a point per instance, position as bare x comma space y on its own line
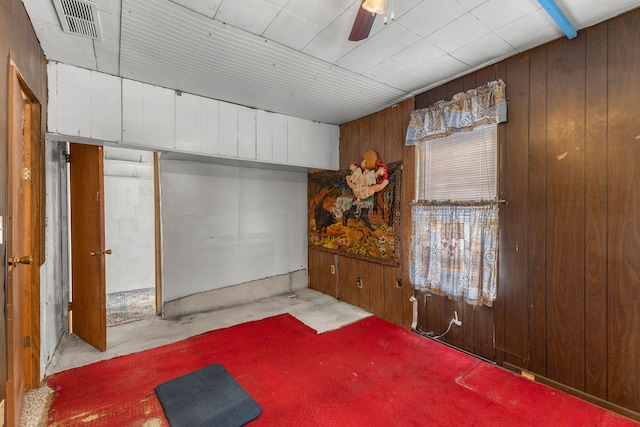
320, 277
537, 147
513, 247
623, 293
596, 212
464, 336
408, 193
376, 287
565, 211
568, 305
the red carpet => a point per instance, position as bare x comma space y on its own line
371, 373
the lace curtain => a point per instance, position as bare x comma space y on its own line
480, 106
454, 249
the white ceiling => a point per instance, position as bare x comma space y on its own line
293, 56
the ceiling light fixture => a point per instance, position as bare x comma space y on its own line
375, 6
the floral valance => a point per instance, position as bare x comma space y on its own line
480, 106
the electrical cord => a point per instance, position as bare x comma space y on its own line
445, 332
453, 321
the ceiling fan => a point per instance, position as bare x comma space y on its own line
364, 19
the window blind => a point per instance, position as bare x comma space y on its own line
462, 166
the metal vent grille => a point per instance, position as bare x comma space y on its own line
79, 17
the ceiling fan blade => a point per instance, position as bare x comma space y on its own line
362, 24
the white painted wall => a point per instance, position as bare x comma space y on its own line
240, 220
129, 219
86, 104
54, 273
225, 225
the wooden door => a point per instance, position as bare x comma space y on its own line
88, 277
18, 247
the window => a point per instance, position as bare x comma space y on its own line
455, 216
462, 166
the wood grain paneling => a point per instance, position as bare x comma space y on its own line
514, 248
320, 276
623, 203
565, 211
568, 305
596, 212
537, 146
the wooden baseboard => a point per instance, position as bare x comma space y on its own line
574, 392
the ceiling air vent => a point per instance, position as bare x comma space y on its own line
79, 17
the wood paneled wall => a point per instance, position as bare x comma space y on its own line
568, 306
385, 289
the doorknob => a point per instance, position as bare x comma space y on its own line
20, 260
107, 252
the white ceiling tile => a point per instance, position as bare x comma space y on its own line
585, 13
332, 43
43, 11
76, 50
253, 16
498, 13
108, 59
448, 38
471, 4
113, 7
386, 43
407, 81
387, 70
291, 30
321, 13
278, 3
110, 26
429, 16
529, 31
475, 53
439, 71
421, 52
443, 68
207, 8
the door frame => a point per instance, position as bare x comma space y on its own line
157, 230
29, 298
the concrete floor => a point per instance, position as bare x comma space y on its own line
317, 310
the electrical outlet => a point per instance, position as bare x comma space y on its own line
455, 319
359, 282
333, 269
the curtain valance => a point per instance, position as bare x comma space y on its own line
480, 106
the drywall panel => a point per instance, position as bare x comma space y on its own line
106, 107
209, 126
74, 107
95, 105
279, 138
246, 133
264, 135
294, 130
54, 272
129, 226
132, 111
226, 225
228, 126
188, 122
159, 117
